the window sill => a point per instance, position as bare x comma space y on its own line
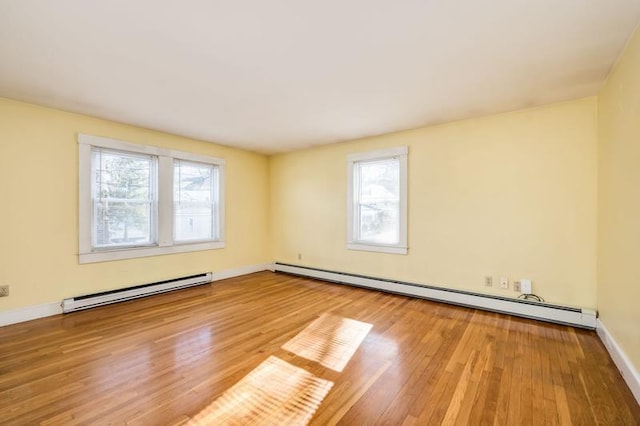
120, 254
377, 248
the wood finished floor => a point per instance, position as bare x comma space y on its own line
165, 359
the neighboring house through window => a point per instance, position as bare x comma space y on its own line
377, 201
195, 199
138, 200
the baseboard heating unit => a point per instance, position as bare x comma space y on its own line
107, 297
579, 317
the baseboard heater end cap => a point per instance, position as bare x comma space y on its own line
589, 318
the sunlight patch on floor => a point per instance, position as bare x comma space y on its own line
275, 392
329, 340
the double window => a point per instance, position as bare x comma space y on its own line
377, 201
142, 201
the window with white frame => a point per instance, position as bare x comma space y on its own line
123, 199
195, 187
139, 200
377, 201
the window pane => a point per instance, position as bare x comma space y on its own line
195, 203
123, 176
379, 201
122, 223
123, 194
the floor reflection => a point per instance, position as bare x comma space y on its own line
275, 392
329, 340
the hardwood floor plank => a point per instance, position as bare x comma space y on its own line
166, 358
419, 389
463, 385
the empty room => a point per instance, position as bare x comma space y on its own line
291, 213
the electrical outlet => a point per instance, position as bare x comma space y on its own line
488, 281
525, 285
516, 286
504, 282
4, 290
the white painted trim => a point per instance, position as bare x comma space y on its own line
29, 313
131, 253
84, 202
378, 154
222, 176
377, 248
145, 149
243, 270
580, 317
164, 207
165, 201
621, 360
353, 243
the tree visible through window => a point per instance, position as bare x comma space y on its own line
142, 200
123, 198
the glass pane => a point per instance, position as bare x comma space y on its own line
193, 222
194, 201
122, 176
379, 201
123, 195
119, 223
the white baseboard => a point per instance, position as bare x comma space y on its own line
243, 270
624, 364
29, 313
580, 317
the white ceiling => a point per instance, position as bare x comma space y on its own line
279, 75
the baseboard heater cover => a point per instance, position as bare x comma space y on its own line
120, 295
579, 317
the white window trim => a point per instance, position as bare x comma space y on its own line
217, 221
165, 244
353, 244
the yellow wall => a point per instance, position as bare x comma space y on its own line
39, 208
619, 202
547, 194
510, 195
507, 195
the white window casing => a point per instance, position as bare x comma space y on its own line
358, 162
163, 222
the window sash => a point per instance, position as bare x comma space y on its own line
181, 201
383, 227
99, 184
360, 219
371, 238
